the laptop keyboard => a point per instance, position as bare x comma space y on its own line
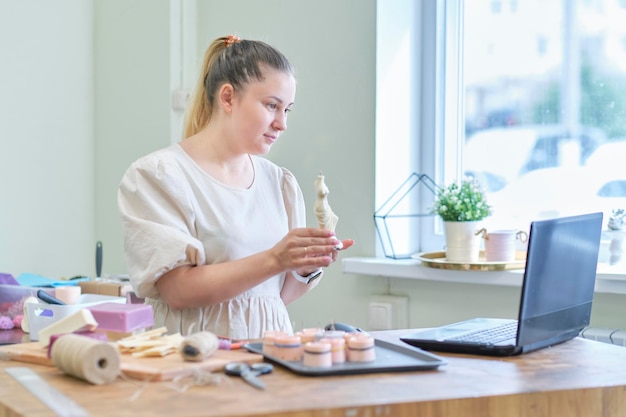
493, 335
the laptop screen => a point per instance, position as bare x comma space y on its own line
557, 293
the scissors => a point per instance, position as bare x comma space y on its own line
249, 373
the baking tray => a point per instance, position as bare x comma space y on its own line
389, 358
438, 260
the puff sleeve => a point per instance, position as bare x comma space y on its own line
158, 222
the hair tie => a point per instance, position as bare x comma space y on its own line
230, 39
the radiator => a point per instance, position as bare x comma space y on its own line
612, 336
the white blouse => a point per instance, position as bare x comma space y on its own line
174, 213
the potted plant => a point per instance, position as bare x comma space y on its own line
462, 206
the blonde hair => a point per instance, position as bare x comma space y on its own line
231, 60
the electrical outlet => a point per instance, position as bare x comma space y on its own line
179, 99
388, 312
380, 316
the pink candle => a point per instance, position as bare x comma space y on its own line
333, 334
288, 348
361, 349
337, 349
317, 354
269, 338
309, 334
348, 335
68, 294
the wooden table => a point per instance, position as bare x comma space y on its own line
577, 378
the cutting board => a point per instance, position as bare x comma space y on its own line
152, 369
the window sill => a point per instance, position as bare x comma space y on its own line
610, 279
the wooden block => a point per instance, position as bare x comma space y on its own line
144, 368
102, 287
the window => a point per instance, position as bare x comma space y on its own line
527, 97
541, 124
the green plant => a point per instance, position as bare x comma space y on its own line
461, 203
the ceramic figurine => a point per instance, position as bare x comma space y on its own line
325, 216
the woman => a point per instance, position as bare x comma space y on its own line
215, 235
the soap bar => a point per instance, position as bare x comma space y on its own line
7, 279
80, 321
122, 318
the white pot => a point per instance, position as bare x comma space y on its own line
463, 241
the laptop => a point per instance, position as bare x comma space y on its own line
556, 295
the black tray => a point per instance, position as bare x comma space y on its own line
389, 358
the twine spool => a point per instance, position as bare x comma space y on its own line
86, 358
198, 346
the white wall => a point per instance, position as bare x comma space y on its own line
132, 102
46, 138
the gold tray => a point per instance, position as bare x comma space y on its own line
438, 260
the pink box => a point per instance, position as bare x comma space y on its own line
87, 333
122, 317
